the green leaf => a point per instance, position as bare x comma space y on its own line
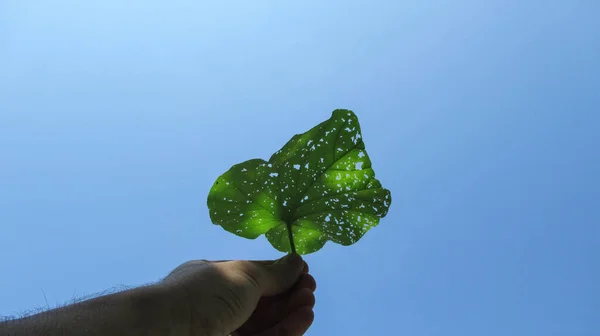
319, 187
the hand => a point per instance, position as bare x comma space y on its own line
258, 298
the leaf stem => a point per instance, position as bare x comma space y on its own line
291, 237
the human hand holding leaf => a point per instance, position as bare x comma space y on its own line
320, 186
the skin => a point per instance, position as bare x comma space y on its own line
198, 298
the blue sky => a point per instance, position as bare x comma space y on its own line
481, 117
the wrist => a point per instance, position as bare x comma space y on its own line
181, 311
152, 310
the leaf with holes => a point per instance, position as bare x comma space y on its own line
320, 186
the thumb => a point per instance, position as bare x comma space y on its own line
281, 275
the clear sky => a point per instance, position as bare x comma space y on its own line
481, 117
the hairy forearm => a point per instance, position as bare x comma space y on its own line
140, 311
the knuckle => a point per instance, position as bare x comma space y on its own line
249, 271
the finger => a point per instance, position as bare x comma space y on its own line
305, 269
306, 281
277, 310
295, 324
268, 280
281, 275
271, 262
262, 262
273, 310
299, 298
